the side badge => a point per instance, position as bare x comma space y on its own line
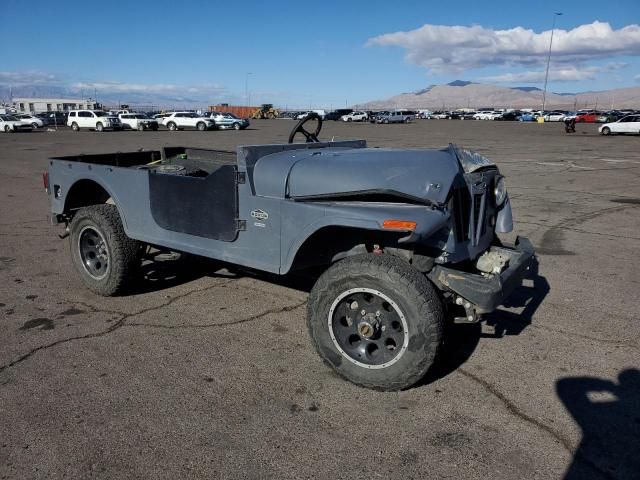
259, 215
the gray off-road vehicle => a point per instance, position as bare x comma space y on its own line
404, 237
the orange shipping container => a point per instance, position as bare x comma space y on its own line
238, 111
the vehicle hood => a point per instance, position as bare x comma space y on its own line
332, 173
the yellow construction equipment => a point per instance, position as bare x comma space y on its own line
266, 110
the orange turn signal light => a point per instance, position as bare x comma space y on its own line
399, 225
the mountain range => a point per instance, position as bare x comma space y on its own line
465, 94
456, 94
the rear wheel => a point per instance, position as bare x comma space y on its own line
201, 126
101, 252
7, 128
376, 321
99, 127
606, 131
75, 127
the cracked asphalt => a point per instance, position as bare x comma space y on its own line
202, 372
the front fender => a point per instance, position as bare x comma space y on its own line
366, 216
504, 219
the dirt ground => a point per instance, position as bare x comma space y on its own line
201, 373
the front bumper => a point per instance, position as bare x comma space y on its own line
486, 293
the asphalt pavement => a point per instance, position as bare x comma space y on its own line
201, 372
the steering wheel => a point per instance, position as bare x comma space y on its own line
312, 137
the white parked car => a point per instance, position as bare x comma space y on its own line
554, 117
9, 123
355, 117
484, 115
93, 120
628, 124
181, 120
321, 114
491, 115
138, 121
159, 117
32, 119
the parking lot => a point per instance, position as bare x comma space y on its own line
206, 373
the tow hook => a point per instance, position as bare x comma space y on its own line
471, 316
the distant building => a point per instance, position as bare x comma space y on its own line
37, 105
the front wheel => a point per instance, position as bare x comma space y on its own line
606, 131
172, 126
34, 125
101, 252
377, 321
236, 126
99, 127
7, 128
140, 127
201, 126
75, 127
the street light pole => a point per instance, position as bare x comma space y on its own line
546, 75
246, 88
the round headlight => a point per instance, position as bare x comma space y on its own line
500, 191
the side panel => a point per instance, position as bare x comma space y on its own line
258, 247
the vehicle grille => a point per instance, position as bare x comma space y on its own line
470, 214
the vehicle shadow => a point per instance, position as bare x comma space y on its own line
461, 340
163, 270
608, 413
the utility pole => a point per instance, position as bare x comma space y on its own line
246, 88
546, 75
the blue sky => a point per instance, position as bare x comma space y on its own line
304, 54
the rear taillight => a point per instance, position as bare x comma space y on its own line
45, 181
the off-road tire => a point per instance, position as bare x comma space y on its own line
412, 292
75, 127
122, 250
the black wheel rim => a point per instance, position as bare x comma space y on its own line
368, 328
93, 252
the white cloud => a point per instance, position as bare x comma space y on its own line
163, 88
567, 73
458, 48
28, 78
